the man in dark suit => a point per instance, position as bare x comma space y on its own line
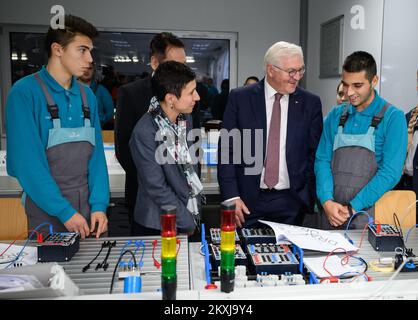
280, 126
133, 102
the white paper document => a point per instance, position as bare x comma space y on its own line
18, 282
28, 257
333, 265
311, 239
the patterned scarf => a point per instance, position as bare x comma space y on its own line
412, 123
174, 139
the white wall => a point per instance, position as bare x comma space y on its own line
399, 83
259, 23
369, 39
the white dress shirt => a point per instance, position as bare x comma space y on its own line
269, 92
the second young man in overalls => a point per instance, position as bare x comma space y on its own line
362, 148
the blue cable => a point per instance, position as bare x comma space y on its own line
140, 243
356, 272
27, 241
137, 244
127, 243
313, 279
353, 274
409, 231
359, 259
208, 266
349, 222
349, 273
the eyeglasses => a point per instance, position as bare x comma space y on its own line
292, 72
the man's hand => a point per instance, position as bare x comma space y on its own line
336, 213
353, 211
100, 218
77, 223
240, 209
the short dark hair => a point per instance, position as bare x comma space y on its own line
171, 77
359, 61
73, 25
225, 85
161, 41
252, 78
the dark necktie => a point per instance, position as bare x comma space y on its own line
271, 173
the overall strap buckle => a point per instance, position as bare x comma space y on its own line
53, 110
378, 117
86, 112
344, 116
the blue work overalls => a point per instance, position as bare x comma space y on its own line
353, 165
68, 153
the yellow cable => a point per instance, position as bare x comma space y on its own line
376, 266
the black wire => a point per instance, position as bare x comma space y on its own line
365, 263
365, 269
87, 266
104, 264
10, 261
117, 264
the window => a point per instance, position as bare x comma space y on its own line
212, 55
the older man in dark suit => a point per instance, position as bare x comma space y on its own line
133, 102
280, 126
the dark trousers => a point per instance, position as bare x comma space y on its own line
406, 183
279, 206
140, 230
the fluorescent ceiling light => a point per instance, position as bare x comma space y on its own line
190, 59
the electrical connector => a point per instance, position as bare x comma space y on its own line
130, 273
123, 266
409, 252
39, 237
330, 280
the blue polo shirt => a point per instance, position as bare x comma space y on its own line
27, 124
104, 102
390, 146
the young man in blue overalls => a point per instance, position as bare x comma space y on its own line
104, 99
54, 144
362, 148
